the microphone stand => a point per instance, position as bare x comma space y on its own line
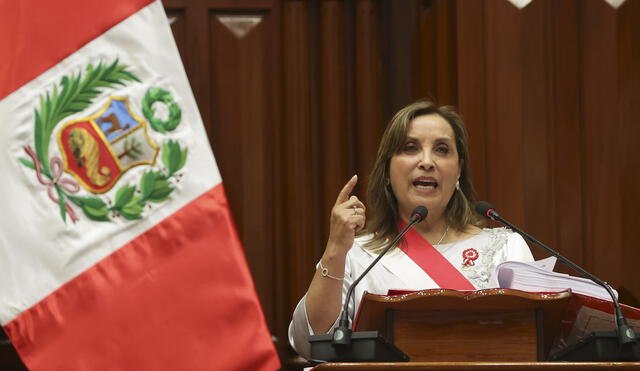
619, 345
343, 345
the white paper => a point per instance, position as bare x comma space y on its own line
546, 264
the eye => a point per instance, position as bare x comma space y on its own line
442, 148
409, 147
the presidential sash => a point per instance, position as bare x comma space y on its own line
434, 264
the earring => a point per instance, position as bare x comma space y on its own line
458, 185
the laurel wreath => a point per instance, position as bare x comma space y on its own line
75, 95
154, 95
130, 201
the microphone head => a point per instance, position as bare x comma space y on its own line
420, 213
485, 209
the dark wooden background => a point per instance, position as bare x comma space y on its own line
297, 105
550, 94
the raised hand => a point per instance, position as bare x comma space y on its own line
347, 217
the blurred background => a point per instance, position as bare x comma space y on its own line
295, 95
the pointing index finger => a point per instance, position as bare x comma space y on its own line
343, 196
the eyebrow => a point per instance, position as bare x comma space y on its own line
439, 139
445, 139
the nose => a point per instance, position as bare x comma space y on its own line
425, 161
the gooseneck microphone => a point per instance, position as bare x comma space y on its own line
625, 333
342, 333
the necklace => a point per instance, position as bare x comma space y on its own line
444, 234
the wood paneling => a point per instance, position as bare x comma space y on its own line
504, 102
611, 79
399, 38
300, 179
333, 105
231, 51
536, 118
628, 62
437, 51
439, 336
368, 89
298, 104
242, 134
601, 140
548, 92
472, 100
551, 117
563, 110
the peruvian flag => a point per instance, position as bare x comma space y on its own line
117, 248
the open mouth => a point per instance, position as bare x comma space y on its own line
425, 184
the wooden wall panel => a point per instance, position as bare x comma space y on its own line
196, 55
537, 121
437, 50
333, 104
242, 134
611, 80
523, 113
472, 100
369, 124
298, 104
553, 111
628, 60
548, 94
504, 109
300, 179
601, 139
564, 110
399, 39
231, 51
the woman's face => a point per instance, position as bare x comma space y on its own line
425, 170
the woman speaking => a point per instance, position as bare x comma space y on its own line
423, 160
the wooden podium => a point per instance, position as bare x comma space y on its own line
480, 366
476, 326
499, 329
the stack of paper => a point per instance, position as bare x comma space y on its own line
539, 277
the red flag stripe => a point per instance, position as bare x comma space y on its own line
174, 298
36, 35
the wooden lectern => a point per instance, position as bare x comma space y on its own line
476, 326
493, 329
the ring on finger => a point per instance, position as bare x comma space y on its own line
355, 210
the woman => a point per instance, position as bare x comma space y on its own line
422, 160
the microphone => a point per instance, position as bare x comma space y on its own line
625, 333
338, 346
342, 333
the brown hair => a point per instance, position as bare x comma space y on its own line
382, 207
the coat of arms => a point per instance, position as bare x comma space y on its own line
98, 149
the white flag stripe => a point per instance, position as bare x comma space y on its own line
39, 251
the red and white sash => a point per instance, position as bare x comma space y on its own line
434, 264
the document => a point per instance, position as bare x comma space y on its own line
539, 277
